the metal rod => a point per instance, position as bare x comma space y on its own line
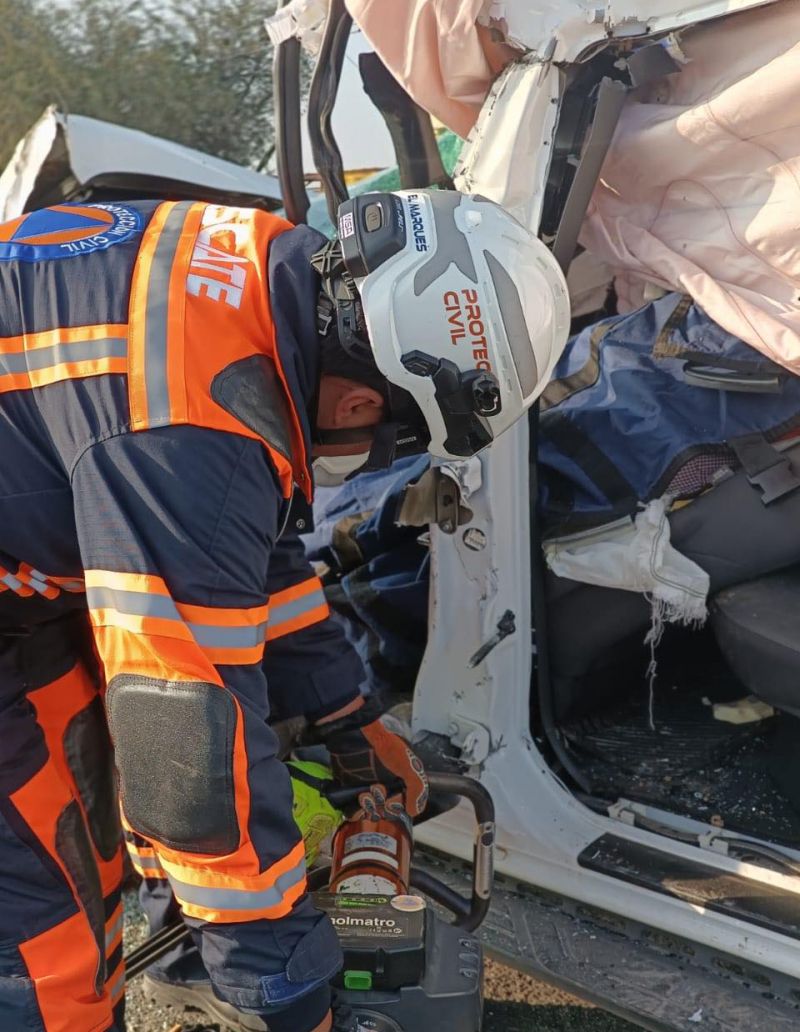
154, 948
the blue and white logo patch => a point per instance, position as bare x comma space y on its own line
66, 231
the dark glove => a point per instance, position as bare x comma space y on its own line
364, 752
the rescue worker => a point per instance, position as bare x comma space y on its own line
169, 373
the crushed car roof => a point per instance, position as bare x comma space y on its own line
65, 157
563, 29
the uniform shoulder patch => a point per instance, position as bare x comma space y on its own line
67, 231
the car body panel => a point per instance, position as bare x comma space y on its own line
542, 827
64, 157
564, 29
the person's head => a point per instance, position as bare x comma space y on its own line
445, 317
350, 403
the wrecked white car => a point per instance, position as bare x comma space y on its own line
74, 158
632, 704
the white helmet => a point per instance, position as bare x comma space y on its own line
464, 310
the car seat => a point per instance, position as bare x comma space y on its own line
757, 625
739, 541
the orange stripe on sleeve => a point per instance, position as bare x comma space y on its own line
151, 626
125, 581
57, 373
140, 604
167, 659
216, 895
146, 867
296, 608
37, 359
223, 617
295, 591
62, 335
234, 656
299, 623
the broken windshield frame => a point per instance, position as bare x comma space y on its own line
413, 138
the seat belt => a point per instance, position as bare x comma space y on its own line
766, 467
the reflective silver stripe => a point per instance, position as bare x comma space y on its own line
237, 899
72, 585
157, 313
116, 986
135, 603
286, 611
11, 581
147, 863
38, 581
213, 637
56, 354
142, 603
114, 930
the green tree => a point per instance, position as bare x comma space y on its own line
33, 62
195, 72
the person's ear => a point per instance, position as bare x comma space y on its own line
359, 405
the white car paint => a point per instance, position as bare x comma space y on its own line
542, 827
565, 29
90, 151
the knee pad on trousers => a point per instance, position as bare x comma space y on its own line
174, 744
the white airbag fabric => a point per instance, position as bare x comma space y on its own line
700, 191
636, 556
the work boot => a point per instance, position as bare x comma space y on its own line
199, 996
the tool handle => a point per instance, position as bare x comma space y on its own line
469, 913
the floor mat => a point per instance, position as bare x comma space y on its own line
691, 763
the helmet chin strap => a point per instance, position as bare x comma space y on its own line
384, 441
379, 441
344, 435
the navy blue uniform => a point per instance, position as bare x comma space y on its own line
156, 362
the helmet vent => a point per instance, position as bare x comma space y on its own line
515, 325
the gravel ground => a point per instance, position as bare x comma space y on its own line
514, 1002
141, 1014
519, 1003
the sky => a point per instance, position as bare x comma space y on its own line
358, 126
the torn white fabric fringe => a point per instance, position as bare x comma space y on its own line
303, 19
638, 556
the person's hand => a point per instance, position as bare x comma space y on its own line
374, 806
364, 752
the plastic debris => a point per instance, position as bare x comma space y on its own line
744, 711
302, 19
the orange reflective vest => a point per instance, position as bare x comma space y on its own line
199, 303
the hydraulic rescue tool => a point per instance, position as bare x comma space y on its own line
404, 964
